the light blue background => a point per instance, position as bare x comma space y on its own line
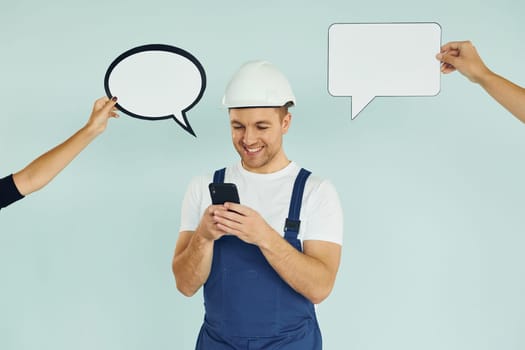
432, 187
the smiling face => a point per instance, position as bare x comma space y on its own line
257, 135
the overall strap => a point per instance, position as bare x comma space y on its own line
218, 177
292, 224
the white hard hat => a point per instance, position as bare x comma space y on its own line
258, 84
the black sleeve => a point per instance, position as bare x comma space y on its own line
8, 191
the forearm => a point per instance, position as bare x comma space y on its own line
44, 168
191, 267
508, 94
307, 275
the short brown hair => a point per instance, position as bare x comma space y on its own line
283, 111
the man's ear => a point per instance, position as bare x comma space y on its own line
287, 120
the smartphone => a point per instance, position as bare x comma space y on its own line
223, 192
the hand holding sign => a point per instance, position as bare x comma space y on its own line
156, 82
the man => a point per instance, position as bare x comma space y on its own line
462, 56
260, 282
43, 169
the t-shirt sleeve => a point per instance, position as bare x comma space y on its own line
8, 191
324, 215
194, 204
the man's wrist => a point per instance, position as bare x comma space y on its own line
200, 239
269, 239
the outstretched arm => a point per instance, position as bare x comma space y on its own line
463, 56
43, 169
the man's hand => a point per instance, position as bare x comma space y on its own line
208, 228
243, 222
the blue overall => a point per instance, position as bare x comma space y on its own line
248, 305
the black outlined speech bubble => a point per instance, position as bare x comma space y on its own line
156, 82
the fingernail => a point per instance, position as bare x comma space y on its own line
114, 98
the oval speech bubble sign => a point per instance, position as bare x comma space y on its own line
156, 82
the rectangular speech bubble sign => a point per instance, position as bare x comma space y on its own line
366, 60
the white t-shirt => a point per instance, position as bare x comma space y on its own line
269, 194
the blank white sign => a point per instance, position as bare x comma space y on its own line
366, 60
